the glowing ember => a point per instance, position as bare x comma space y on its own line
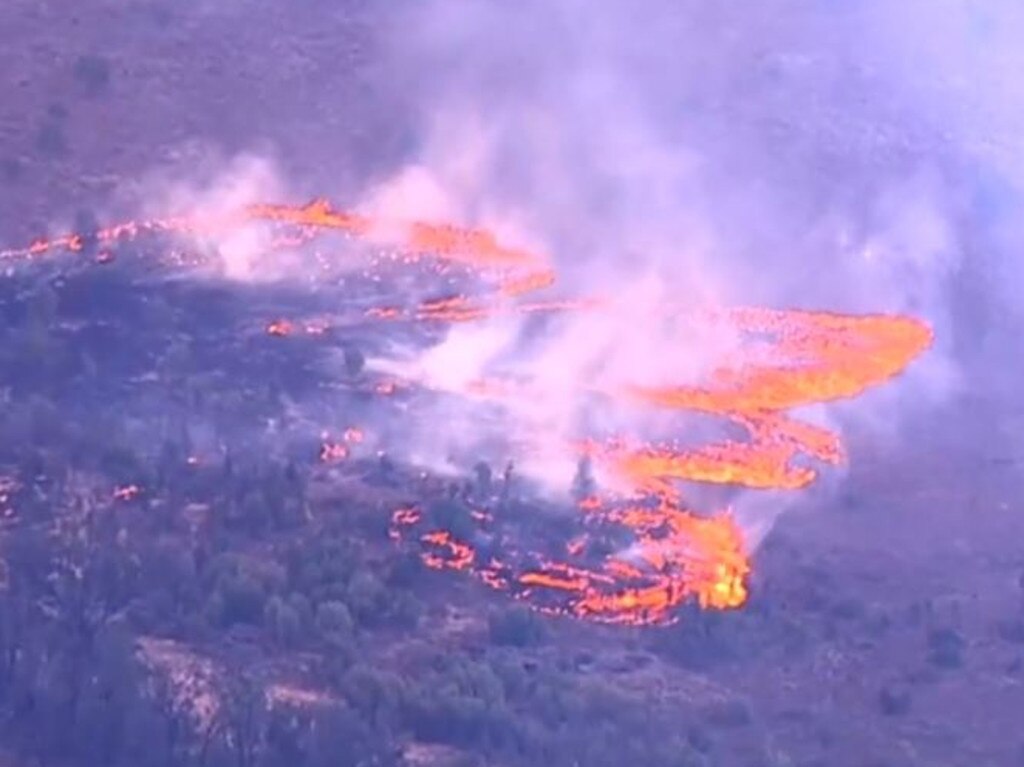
332, 452
280, 328
126, 492
452, 553
283, 327
675, 554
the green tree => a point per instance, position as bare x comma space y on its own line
403, 609
242, 599
365, 597
340, 738
516, 626
86, 226
241, 587
92, 73
303, 608
43, 305
583, 485
242, 715
377, 695
893, 701
354, 360
484, 479
51, 141
282, 621
334, 623
454, 516
10, 170
945, 648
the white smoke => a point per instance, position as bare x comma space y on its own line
681, 153
239, 253
690, 154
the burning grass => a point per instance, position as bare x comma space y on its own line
675, 554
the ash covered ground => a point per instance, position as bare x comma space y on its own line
205, 446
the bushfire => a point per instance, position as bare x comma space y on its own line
674, 554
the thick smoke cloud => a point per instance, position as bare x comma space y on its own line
659, 132
838, 147
847, 157
818, 155
226, 185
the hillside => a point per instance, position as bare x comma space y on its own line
200, 562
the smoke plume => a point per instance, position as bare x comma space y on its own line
700, 155
687, 156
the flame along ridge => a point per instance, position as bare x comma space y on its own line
676, 554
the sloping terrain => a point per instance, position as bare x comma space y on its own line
192, 573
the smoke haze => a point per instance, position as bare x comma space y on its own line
854, 158
789, 154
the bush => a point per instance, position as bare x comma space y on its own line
1011, 630
92, 73
10, 170
515, 627
282, 621
377, 695
445, 716
484, 478
87, 225
341, 739
51, 141
583, 485
404, 610
354, 361
334, 622
240, 588
241, 600
893, 702
699, 739
945, 648
729, 714
303, 608
702, 638
848, 609
365, 596
453, 516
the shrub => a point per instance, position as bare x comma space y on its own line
583, 484
945, 648
1011, 630
333, 619
729, 713
893, 702
10, 170
354, 360
453, 516
92, 73
282, 621
699, 739
51, 141
484, 478
516, 627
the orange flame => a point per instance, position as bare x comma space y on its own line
676, 554
280, 328
333, 451
126, 492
